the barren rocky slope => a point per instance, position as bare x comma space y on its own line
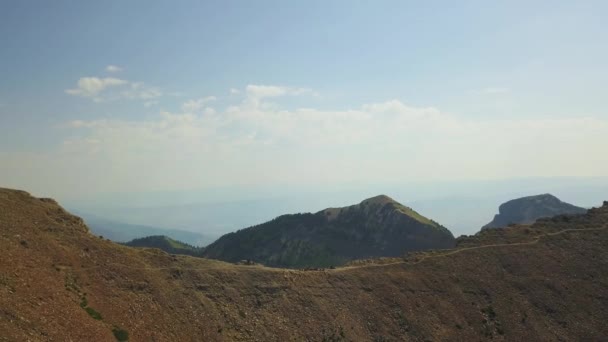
59, 283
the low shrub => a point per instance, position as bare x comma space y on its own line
96, 315
120, 334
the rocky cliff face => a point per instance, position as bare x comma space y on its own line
376, 227
527, 210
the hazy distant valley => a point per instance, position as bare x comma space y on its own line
461, 207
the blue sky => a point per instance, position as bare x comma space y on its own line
160, 95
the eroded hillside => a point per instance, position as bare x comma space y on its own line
58, 282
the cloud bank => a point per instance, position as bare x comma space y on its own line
257, 142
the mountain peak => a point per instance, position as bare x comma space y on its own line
537, 198
378, 203
380, 199
372, 203
164, 243
376, 227
526, 210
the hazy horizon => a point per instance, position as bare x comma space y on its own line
463, 207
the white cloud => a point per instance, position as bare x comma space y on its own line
113, 68
141, 91
493, 90
91, 87
264, 91
234, 91
150, 103
250, 142
109, 88
176, 94
195, 105
85, 124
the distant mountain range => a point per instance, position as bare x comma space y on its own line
463, 207
527, 210
123, 232
165, 243
377, 227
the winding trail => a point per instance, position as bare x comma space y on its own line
346, 268
460, 250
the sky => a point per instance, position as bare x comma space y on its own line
136, 96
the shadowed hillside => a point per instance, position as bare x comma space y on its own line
58, 282
377, 227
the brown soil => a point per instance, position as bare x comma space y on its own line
545, 282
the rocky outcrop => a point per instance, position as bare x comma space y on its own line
527, 210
